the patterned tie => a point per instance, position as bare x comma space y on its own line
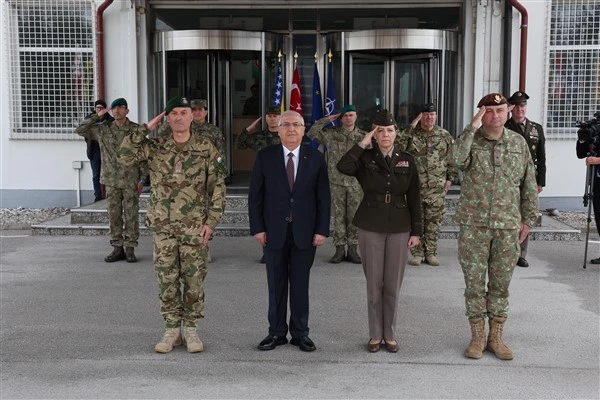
289, 167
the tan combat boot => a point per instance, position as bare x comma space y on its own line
192, 340
415, 260
432, 260
495, 344
477, 345
171, 338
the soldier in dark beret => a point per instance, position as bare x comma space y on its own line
388, 221
498, 205
188, 199
534, 135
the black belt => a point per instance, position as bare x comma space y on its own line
386, 198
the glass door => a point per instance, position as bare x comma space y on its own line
369, 87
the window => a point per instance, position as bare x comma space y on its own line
52, 66
573, 89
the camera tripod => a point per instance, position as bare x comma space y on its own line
587, 196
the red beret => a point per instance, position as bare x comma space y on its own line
492, 99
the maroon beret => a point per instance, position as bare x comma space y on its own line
492, 99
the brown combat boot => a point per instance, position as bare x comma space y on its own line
192, 340
495, 344
116, 255
130, 255
477, 345
171, 338
340, 254
352, 255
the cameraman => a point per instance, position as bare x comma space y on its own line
588, 151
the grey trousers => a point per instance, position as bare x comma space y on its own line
384, 257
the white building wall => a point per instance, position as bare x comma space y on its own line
47, 165
565, 175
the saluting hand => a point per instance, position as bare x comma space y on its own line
333, 117
416, 120
476, 121
156, 121
366, 141
102, 112
252, 127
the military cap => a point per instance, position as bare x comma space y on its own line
118, 102
177, 102
518, 98
384, 118
429, 107
345, 109
492, 99
273, 110
101, 102
199, 103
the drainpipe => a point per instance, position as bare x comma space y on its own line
100, 42
523, 57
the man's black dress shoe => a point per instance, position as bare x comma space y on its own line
270, 342
304, 343
595, 261
522, 262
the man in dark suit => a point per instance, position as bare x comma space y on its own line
534, 136
289, 208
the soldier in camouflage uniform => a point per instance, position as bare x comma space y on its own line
534, 135
429, 144
186, 204
250, 139
498, 206
346, 193
201, 127
123, 185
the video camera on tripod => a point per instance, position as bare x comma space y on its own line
589, 131
588, 136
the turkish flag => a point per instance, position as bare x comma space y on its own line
295, 96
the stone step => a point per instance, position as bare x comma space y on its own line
89, 216
550, 229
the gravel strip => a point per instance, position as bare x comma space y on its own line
23, 218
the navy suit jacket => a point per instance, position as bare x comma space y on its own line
270, 200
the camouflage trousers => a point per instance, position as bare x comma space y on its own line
123, 206
180, 264
433, 208
344, 203
493, 252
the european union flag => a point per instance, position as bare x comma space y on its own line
317, 102
278, 88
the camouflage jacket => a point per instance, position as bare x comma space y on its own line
206, 130
188, 188
256, 141
109, 136
338, 142
430, 150
498, 190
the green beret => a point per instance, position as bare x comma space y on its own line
518, 98
274, 110
199, 103
345, 109
384, 118
118, 102
492, 99
429, 107
177, 102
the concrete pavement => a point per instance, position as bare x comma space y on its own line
73, 326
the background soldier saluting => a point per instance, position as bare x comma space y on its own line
534, 136
346, 192
429, 144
